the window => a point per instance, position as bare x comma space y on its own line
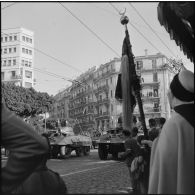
4, 62
13, 73
2, 75
106, 82
10, 38
110, 79
10, 50
27, 51
30, 64
26, 63
155, 76
14, 49
5, 50
111, 93
23, 38
15, 38
28, 74
9, 62
22, 62
1, 39
154, 63
27, 39
14, 61
5, 39
30, 40
30, 52
139, 65
23, 50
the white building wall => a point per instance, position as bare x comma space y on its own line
18, 55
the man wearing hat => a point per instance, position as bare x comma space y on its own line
172, 156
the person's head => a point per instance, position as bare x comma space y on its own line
162, 121
126, 133
181, 89
134, 131
152, 122
134, 119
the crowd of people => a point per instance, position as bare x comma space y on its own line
164, 163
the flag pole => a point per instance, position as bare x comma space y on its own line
133, 81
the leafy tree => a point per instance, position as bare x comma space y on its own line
25, 102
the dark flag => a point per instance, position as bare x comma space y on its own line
124, 91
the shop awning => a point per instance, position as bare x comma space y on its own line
177, 18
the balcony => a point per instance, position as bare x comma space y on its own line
152, 83
103, 101
102, 115
16, 77
150, 98
104, 88
149, 111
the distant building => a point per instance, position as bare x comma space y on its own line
92, 104
17, 56
60, 109
156, 72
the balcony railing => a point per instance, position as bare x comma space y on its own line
153, 83
149, 98
146, 111
104, 101
16, 77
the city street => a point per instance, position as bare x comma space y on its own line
90, 175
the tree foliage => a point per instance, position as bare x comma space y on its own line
25, 102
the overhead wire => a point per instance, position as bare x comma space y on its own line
151, 29
89, 29
8, 6
54, 58
145, 36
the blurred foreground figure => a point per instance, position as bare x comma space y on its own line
172, 156
26, 150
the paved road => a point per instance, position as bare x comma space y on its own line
89, 175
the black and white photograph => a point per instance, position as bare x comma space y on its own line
97, 97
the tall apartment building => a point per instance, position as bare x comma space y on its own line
156, 72
92, 100
60, 107
17, 56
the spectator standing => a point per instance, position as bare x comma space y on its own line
153, 131
131, 151
172, 156
26, 148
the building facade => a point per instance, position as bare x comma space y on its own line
17, 56
92, 102
61, 104
156, 72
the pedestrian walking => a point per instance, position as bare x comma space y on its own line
172, 156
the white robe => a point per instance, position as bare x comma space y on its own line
172, 158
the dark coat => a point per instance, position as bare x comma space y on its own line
26, 149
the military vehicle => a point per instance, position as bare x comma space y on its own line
111, 143
65, 141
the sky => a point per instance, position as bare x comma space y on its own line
73, 41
